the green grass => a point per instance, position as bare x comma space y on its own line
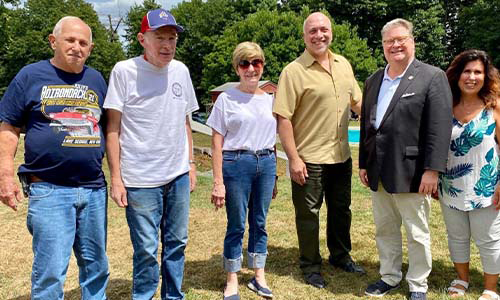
204, 276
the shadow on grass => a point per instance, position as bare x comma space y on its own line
282, 262
117, 289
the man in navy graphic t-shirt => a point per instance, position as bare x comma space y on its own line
60, 103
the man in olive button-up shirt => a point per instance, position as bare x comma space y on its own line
313, 101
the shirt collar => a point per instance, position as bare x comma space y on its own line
386, 75
309, 59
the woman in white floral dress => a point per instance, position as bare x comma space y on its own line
468, 190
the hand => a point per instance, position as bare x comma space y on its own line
218, 195
298, 171
496, 198
428, 185
118, 192
275, 188
192, 177
363, 176
10, 194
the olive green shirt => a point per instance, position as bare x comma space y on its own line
318, 105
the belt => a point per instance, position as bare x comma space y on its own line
257, 152
34, 178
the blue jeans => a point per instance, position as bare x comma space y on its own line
149, 210
60, 219
249, 179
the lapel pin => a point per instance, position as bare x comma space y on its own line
410, 77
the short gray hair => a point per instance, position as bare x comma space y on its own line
396, 23
58, 27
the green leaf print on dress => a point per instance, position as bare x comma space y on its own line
472, 135
488, 176
445, 179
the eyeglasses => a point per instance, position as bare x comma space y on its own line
400, 40
256, 63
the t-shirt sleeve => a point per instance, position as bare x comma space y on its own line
286, 96
190, 96
13, 104
117, 90
217, 120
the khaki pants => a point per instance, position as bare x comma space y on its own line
412, 211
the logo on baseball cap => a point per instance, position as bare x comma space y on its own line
157, 18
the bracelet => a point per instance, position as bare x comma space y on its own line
191, 161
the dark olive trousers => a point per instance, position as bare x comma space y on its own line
333, 183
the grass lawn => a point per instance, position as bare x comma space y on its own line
204, 276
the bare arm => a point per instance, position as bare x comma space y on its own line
218, 190
496, 115
118, 191
9, 190
357, 107
192, 165
298, 170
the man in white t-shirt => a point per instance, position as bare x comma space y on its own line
149, 148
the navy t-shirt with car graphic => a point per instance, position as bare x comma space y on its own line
62, 112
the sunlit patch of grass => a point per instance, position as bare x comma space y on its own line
204, 276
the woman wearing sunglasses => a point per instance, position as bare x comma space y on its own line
244, 167
468, 190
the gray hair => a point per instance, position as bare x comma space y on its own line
58, 27
396, 23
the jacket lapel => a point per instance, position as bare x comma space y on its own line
373, 97
407, 79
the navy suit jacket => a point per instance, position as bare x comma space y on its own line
414, 134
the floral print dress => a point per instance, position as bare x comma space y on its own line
470, 178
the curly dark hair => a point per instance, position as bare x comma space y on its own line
491, 87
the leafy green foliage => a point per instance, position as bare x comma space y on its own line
280, 36
133, 26
479, 25
24, 36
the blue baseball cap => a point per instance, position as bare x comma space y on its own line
157, 18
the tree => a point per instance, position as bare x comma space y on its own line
478, 24
280, 36
370, 16
204, 22
28, 28
133, 22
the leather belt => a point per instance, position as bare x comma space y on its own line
34, 178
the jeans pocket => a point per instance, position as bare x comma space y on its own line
229, 156
40, 190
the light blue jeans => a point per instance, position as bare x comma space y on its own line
249, 180
60, 219
149, 210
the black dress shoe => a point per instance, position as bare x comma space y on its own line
350, 266
315, 279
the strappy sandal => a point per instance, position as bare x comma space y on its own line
492, 295
454, 291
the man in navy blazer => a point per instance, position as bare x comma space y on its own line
406, 121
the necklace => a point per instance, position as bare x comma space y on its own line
473, 107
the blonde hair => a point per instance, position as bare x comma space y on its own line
245, 51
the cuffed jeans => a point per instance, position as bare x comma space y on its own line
60, 219
249, 180
333, 181
149, 210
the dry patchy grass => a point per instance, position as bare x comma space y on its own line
204, 277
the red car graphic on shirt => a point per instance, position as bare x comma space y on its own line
77, 121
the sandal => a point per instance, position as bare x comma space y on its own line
492, 295
455, 291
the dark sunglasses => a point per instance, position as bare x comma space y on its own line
256, 63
